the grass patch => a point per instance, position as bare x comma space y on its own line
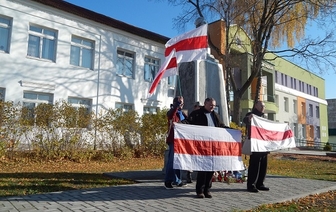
32, 177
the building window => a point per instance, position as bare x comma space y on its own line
282, 79
81, 114
294, 85
125, 107
37, 108
303, 109
295, 130
2, 94
125, 63
318, 134
152, 66
285, 76
317, 111
310, 110
150, 110
302, 86
295, 106
5, 29
286, 106
81, 53
303, 131
276, 76
171, 81
316, 94
42, 43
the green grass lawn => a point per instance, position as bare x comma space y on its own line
21, 177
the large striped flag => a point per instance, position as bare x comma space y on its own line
190, 46
267, 135
168, 68
203, 148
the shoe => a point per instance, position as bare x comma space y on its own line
200, 195
189, 180
168, 185
181, 184
263, 188
253, 189
208, 195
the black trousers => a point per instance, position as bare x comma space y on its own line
257, 169
204, 182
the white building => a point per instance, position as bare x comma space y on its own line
52, 50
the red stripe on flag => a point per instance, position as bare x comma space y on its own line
206, 148
171, 64
188, 44
269, 135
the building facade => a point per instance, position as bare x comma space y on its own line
291, 94
332, 121
52, 50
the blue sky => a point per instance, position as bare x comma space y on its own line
157, 16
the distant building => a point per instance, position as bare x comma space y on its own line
332, 120
291, 94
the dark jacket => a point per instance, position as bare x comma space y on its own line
198, 117
248, 126
248, 122
173, 116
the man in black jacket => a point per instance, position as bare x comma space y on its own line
258, 160
205, 116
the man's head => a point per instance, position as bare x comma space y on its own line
260, 106
179, 101
209, 104
197, 106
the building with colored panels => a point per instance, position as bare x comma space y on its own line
291, 94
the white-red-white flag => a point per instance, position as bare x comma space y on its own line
168, 68
190, 46
187, 47
203, 148
267, 135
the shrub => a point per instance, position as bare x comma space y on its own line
327, 147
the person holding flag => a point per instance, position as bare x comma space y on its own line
205, 116
175, 114
258, 160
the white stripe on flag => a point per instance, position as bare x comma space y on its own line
267, 135
168, 68
203, 148
190, 46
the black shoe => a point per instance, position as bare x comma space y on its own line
189, 181
181, 184
200, 195
208, 195
263, 188
253, 189
168, 185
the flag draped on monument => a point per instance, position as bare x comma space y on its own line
267, 135
187, 47
203, 148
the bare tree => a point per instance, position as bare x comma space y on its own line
270, 24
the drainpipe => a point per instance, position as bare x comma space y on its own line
98, 83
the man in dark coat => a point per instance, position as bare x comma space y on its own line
205, 116
258, 160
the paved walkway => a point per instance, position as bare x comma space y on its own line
150, 195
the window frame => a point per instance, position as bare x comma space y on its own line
124, 106
82, 48
150, 111
43, 40
9, 33
152, 63
125, 57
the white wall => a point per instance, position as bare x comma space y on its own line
62, 79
